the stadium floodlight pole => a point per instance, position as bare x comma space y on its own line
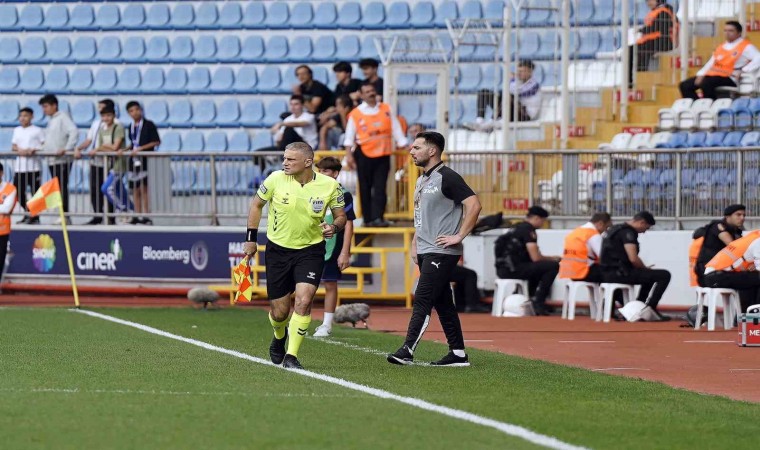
625, 22
685, 40
565, 95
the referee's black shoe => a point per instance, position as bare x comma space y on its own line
277, 349
452, 360
291, 362
402, 357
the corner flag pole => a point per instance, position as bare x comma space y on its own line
68, 257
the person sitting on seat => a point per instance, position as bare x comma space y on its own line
717, 234
736, 267
621, 263
580, 259
518, 257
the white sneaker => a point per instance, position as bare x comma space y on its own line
322, 331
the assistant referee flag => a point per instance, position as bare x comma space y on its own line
48, 196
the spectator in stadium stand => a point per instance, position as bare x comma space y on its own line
736, 267
518, 257
580, 258
331, 133
143, 137
524, 86
112, 137
97, 168
368, 141
659, 33
299, 126
330, 117
346, 84
414, 130
316, 96
729, 60
61, 137
7, 202
369, 67
26, 141
621, 263
717, 234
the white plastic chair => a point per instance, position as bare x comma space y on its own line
621, 141
504, 288
686, 120
659, 138
731, 307
668, 117
572, 291
640, 140
608, 292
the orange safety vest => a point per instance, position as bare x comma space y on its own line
374, 133
733, 252
5, 219
575, 259
725, 60
649, 20
694, 249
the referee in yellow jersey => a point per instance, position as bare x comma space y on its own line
298, 199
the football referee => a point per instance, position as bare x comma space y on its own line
298, 200
445, 211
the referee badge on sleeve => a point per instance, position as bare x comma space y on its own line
263, 189
317, 205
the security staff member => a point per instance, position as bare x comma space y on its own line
659, 34
7, 202
445, 212
518, 257
580, 259
736, 267
621, 263
298, 199
718, 234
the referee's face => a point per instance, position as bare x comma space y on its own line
294, 162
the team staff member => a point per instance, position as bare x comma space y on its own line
718, 234
621, 263
298, 200
580, 259
518, 257
735, 267
445, 212
7, 202
659, 34
371, 128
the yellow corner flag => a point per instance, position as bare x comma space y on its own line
242, 275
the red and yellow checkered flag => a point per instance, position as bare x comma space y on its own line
242, 275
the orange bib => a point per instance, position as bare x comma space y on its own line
5, 219
725, 60
374, 132
733, 252
649, 20
575, 260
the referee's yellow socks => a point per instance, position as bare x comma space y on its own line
297, 329
279, 327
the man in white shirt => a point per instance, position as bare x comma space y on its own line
98, 170
583, 246
524, 99
732, 58
736, 267
27, 140
299, 126
61, 135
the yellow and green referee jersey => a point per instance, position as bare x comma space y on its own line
296, 211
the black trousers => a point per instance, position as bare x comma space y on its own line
434, 291
644, 53
3, 252
62, 171
466, 290
486, 98
647, 278
97, 199
747, 283
708, 86
540, 276
595, 275
372, 174
289, 136
24, 180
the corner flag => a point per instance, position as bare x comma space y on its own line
48, 196
242, 275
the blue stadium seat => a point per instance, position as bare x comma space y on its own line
270, 80
129, 81
182, 17
83, 18
83, 113
446, 10
205, 49
228, 181
33, 81
181, 50
9, 80
409, 108
349, 16
751, 139
203, 178
229, 49
423, 15
348, 48
373, 17
369, 49
109, 50
84, 50
590, 42
57, 81
715, 139
320, 74
59, 49
10, 50
133, 17
81, 81
204, 113
56, 18
550, 46
582, 13
472, 10
273, 110
6, 136
153, 81
754, 107
491, 77
276, 49
228, 114
9, 113
33, 50
677, 140
470, 78
406, 81
398, 16
176, 81
157, 17
494, 10
262, 139
198, 80
428, 112
216, 142
207, 16
183, 178
240, 141
530, 44
246, 80
733, 139
108, 17
193, 142
604, 13
696, 139
8, 18
288, 79
171, 142
76, 177
541, 14
324, 49
181, 114
254, 15
300, 49
325, 16
252, 114
252, 50
230, 16
105, 81
157, 49
133, 50
302, 16
31, 18
277, 15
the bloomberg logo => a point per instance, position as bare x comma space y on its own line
101, 262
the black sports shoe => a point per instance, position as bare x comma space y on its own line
277, 349
291, 362
402, 357
452, 360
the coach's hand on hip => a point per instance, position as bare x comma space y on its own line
448, 241
250, 248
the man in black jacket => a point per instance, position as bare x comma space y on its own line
718, 234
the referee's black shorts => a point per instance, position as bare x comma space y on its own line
286, 267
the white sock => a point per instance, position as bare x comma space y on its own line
459, 353
327, 322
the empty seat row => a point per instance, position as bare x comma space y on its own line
682, 139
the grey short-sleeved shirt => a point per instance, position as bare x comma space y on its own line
438, 208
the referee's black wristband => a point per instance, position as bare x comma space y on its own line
251, 235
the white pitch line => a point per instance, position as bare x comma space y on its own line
586, 342
744, 370
504, 427
709, 342
618, 368
169, 393
478, 340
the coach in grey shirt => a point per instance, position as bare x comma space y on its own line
61, 135
445, 211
